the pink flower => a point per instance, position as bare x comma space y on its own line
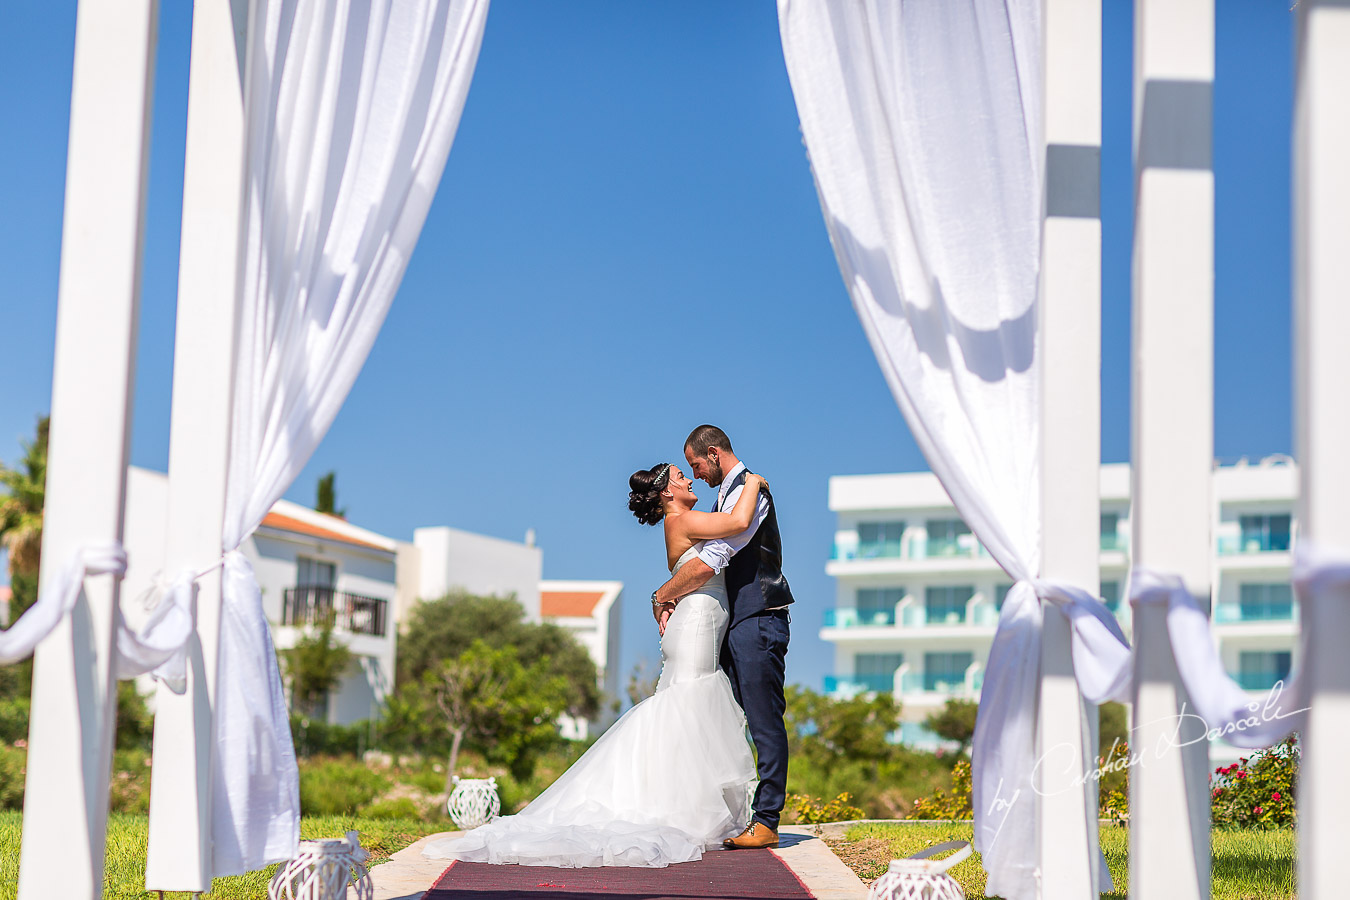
1259, 809
1217, 792
1242, 774
1275, 796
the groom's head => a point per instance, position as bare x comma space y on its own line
708, 451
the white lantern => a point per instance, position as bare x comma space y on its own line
918, 877
473, 802
323, 870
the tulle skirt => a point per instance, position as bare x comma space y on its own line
671, 778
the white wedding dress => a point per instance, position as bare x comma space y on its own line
671, 778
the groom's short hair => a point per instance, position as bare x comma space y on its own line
704, 437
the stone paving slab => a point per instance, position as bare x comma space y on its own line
407, 875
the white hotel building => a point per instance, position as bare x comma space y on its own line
918, 597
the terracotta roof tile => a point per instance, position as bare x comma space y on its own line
287, 523
568, 603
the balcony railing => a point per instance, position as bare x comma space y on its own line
1227, 613
916, 548
1233, 545
1115, 541
859, 684
854, 618
913, 615
910, 683
940, 683
312, 604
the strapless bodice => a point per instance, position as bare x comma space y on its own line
715, 586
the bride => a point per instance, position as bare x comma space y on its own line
672, 777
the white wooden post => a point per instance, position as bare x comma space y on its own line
179, 856
1172, 428
1322, 382
1070, 434
70, 733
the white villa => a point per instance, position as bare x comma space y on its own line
591, 611
918, 597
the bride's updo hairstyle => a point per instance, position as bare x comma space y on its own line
644, 495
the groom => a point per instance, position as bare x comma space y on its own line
756, 643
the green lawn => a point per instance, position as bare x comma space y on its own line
1248, 865
124, 872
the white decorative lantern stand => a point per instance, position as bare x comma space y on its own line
323, 870
919, 877
473, 802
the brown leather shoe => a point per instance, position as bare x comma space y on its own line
756, 837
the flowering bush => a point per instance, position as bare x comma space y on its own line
811, 811
1257, 791
942, 805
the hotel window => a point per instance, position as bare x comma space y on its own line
945, 671
1111, 595
1265, 601
876, 606
879, 539
876, 671
1258, 670
944, 536
1111, 538
943, 605
1265, 533
1001, 594
313, 573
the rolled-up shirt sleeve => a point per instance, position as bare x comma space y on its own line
717, 553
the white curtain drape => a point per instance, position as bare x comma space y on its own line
350, 112
19, 640
1229, 712
922, 121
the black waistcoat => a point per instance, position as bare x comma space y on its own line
754, 577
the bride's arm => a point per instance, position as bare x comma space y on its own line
701, 526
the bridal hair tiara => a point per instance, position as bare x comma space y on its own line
659, 481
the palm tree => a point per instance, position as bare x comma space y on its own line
21, 519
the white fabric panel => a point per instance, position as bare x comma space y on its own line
1226, 709
161, 644
19, 640
923, 125
350, 112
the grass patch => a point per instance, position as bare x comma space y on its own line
1247, 865
124, 868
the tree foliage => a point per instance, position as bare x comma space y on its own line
954, 722
21, 518
326, 501
486, 699
829, 732
314, 666
441, 630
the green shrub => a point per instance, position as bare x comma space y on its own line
315, 737
332, 787
398, 808
129, 786
813, 811
13, 763
1257, 791
948, 805
14, 719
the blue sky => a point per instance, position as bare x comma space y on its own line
627, 243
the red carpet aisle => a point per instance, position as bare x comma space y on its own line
740, 875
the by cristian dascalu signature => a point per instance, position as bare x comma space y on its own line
1179, 730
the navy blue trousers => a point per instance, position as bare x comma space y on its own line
754, 658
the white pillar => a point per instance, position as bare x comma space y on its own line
1070, 434
1322, 382
1172, 427
179, 855
70, 734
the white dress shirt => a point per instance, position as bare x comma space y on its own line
717, 553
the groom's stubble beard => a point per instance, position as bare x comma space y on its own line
715, 473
